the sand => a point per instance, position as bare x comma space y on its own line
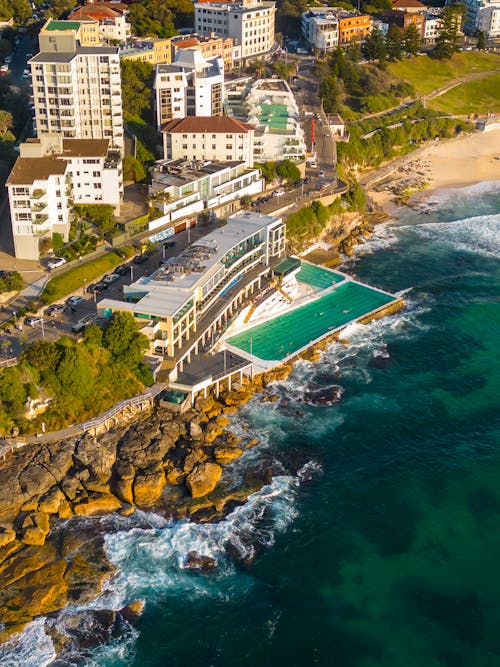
466, 160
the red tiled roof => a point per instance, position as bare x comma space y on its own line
215, 124
411, 4
187, 43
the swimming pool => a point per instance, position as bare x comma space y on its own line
289, 332
318, 277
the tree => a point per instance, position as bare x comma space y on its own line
73, 371
137, 84
481, 40
123, 340
133, 169
43, 355
245, 201
394, 42
412, 41
449, 33
374, 47
100, 215
151, 18
329, 93
6, 124
288, 171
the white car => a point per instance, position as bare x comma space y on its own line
32, 320
321, 174
73, 301
112, 278
56, 263
279, 192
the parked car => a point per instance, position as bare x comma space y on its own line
279, 192
33, 320
73, 301
111, 278
321, 174
84, 322
99, 288
55, 309
56, 263
170, 244
4, 69
26, 74
122, 270
140, 259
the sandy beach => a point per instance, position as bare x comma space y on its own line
465, 160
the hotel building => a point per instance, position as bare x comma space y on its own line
182, 303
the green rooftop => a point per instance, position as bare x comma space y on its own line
63, 25
274, 115
287, 266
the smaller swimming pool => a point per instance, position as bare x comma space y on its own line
318, 277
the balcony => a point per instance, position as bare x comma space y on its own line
38, 194
39, 207
40, 219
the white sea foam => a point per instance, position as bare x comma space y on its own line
479, 234
150, 561
30, 648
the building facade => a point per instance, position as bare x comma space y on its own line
181, 188
214, 138
111, 17
353, 27
250, 23
151, 50
210, 47
49, 176
325, 28
76, 89
482, 15
172, 302
190, 86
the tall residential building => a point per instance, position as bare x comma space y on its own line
215, 138
49, 176
76, 88
190, 86
210, 47
249, 22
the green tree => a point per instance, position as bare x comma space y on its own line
330, 94
12, 391
43, 355
288, 171
374, 47
133, 169
449, 34
93, 336
268, 171
57, 241
123, 340
412, 40
394, 42
151, 18
137, 85
74, 373
481, 40
100, 215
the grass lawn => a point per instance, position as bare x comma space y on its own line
426, 74
481, 96
76, 278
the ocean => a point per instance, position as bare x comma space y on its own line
377, 542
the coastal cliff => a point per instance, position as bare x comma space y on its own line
167, 462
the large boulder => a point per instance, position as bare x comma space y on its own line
101, 504
203, 479
35, 529
148, 487
7, 535
51, 501
196, 561
224, 454
97, 455
195, 431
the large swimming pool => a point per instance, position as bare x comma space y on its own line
289, 332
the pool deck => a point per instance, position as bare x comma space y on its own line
280, 337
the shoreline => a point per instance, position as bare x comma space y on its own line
454, 163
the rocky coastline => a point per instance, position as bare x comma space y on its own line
167, 462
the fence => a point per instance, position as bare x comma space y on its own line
7, 363
10, 444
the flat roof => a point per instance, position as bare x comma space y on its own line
166, 291
28, 170
180, 172
85, 147
62, 25
67, 57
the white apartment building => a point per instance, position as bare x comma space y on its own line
488, 19
49, 176
180, 189
320, 27
270, 106
171, 302
432, 28
215, 138
76, 89
249, 22
190, 86
483, 15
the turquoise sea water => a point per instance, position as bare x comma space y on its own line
378, 543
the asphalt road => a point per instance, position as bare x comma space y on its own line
14, 340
